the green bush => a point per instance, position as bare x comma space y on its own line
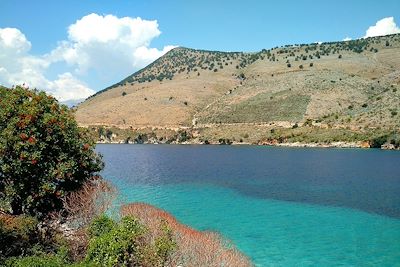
100, 226
128, 243
36, 261
18, 234
377, 142
43, 153
165, 244
117, 247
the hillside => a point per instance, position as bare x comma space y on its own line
339, 91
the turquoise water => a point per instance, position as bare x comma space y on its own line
298, 222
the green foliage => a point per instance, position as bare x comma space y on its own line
43, 153
118, 246
125, 244
100, 226
36, 261
378, 141
165, 244
17, 235
46, 260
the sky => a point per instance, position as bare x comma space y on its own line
72, 49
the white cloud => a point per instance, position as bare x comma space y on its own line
67, 87
384, 26
346, 39
12, 40
144, 55
17, 66
109, 45
106, 46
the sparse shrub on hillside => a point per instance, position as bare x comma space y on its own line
109, 134
340, 56
43, 153
241, 76
308, 122
301, 67
311, 64
224, 141
123, 93
288, 65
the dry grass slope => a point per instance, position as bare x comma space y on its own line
352, 85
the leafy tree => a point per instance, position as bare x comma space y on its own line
378, 141
43, 153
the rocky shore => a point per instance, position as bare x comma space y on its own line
339, 144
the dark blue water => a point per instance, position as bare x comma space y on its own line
281, 206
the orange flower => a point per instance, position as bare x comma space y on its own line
23, 136
32, 140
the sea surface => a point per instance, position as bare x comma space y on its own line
280, 206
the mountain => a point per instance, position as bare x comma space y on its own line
327, 92
73, 102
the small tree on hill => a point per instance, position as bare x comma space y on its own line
43, 153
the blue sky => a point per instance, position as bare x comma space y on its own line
214, 25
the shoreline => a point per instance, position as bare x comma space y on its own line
339, 144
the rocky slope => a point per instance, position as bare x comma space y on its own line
329, 92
